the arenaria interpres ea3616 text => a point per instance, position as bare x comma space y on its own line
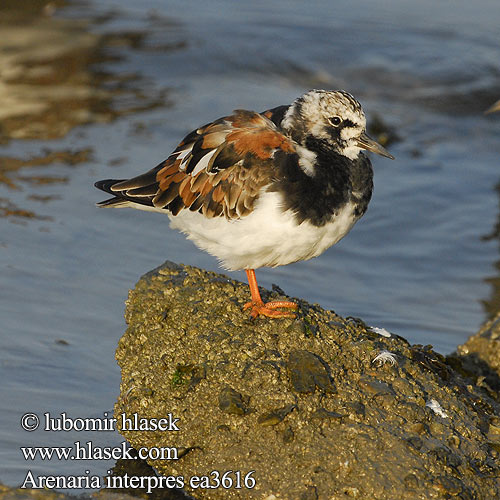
88, 450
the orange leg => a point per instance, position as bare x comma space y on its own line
258, 307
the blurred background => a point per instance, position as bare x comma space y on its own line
91, 90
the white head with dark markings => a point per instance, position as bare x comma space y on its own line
332, 117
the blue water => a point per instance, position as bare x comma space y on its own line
415, 264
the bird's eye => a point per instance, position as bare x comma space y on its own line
335, 120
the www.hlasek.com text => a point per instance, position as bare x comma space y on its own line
88, 451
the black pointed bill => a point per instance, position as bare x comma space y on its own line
366, 142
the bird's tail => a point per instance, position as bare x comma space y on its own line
106, 185
122, 198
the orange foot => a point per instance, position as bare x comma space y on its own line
258, 308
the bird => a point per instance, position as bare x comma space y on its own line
263, 189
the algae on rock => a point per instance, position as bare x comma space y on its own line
298, 401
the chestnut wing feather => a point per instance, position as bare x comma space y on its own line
218, 170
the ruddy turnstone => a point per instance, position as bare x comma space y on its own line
263, 189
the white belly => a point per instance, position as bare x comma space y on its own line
268, 237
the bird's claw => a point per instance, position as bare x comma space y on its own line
269, 309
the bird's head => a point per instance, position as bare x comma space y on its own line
331, 116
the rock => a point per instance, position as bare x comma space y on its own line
308, 371
9, 493
479, 358
275, 416
308, 410
231, 401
